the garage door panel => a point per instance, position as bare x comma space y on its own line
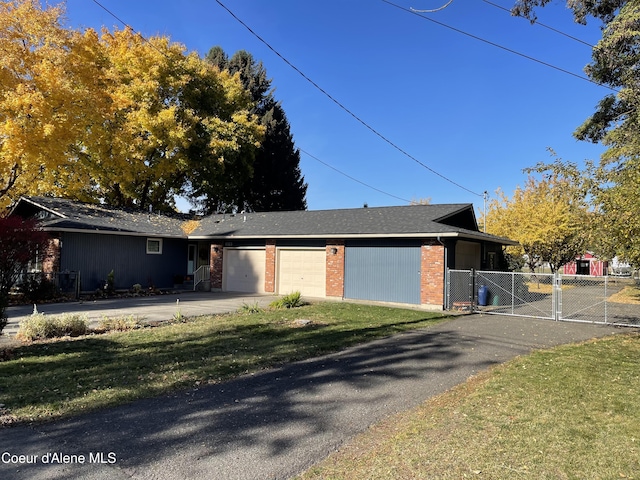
244, 270
387, 274
303, 271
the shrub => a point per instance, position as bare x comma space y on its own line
291, 300
119, 324
39, 326
250, 308
3, 315
38, 288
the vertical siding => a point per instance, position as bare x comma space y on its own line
95, 255
388, 274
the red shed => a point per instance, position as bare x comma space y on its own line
586, 264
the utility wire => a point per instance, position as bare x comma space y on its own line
433, 10
475, 37
541, 24
352, 178
303, 151
369, 127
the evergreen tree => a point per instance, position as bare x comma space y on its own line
277, 183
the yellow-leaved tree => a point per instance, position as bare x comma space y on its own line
547, 219
112, 116
45, 102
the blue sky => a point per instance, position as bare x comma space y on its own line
474, 113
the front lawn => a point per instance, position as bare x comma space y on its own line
49, 380
571, 412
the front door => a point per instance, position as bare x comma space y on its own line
192, 258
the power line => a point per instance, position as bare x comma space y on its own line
369, 127
303, 151
352, 178
142, 37
433, 10
475, 37
536, 22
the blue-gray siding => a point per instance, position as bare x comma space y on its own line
95, 255
387, 274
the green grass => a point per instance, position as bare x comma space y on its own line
55, 379
572, 412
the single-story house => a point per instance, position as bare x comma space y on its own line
384, 254
587, 264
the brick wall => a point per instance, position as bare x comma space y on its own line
270, 267
335, 268
215, 265
433, 273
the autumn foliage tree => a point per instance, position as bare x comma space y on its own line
612, 183
112, 116
44, 107
21, 242
544, 217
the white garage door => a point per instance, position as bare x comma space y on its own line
303, 271
244, 270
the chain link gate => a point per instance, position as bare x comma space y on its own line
575, 298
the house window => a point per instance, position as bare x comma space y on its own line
154, 246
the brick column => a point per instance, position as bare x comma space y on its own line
335, 268
433, 273
215, 265
270, 267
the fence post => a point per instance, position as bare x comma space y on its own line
472, 285
606, 281
513, 293
556, 293
447, 289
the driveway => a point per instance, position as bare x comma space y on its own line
277, 423
149, 308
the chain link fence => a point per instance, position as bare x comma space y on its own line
578, 298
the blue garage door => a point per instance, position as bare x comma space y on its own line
385, 274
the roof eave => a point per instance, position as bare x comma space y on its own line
113, 232
36, 204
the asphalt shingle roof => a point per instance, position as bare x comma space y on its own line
414, 219
67, 214
405, 221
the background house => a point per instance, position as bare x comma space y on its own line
385, 254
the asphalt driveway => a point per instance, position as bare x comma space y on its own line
277, 423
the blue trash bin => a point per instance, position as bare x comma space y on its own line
483, 295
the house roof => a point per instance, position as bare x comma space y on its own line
413, 221
60, 214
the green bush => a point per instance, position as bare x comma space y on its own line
39, 326
291, 300
250, 308
38, 287
119, 324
